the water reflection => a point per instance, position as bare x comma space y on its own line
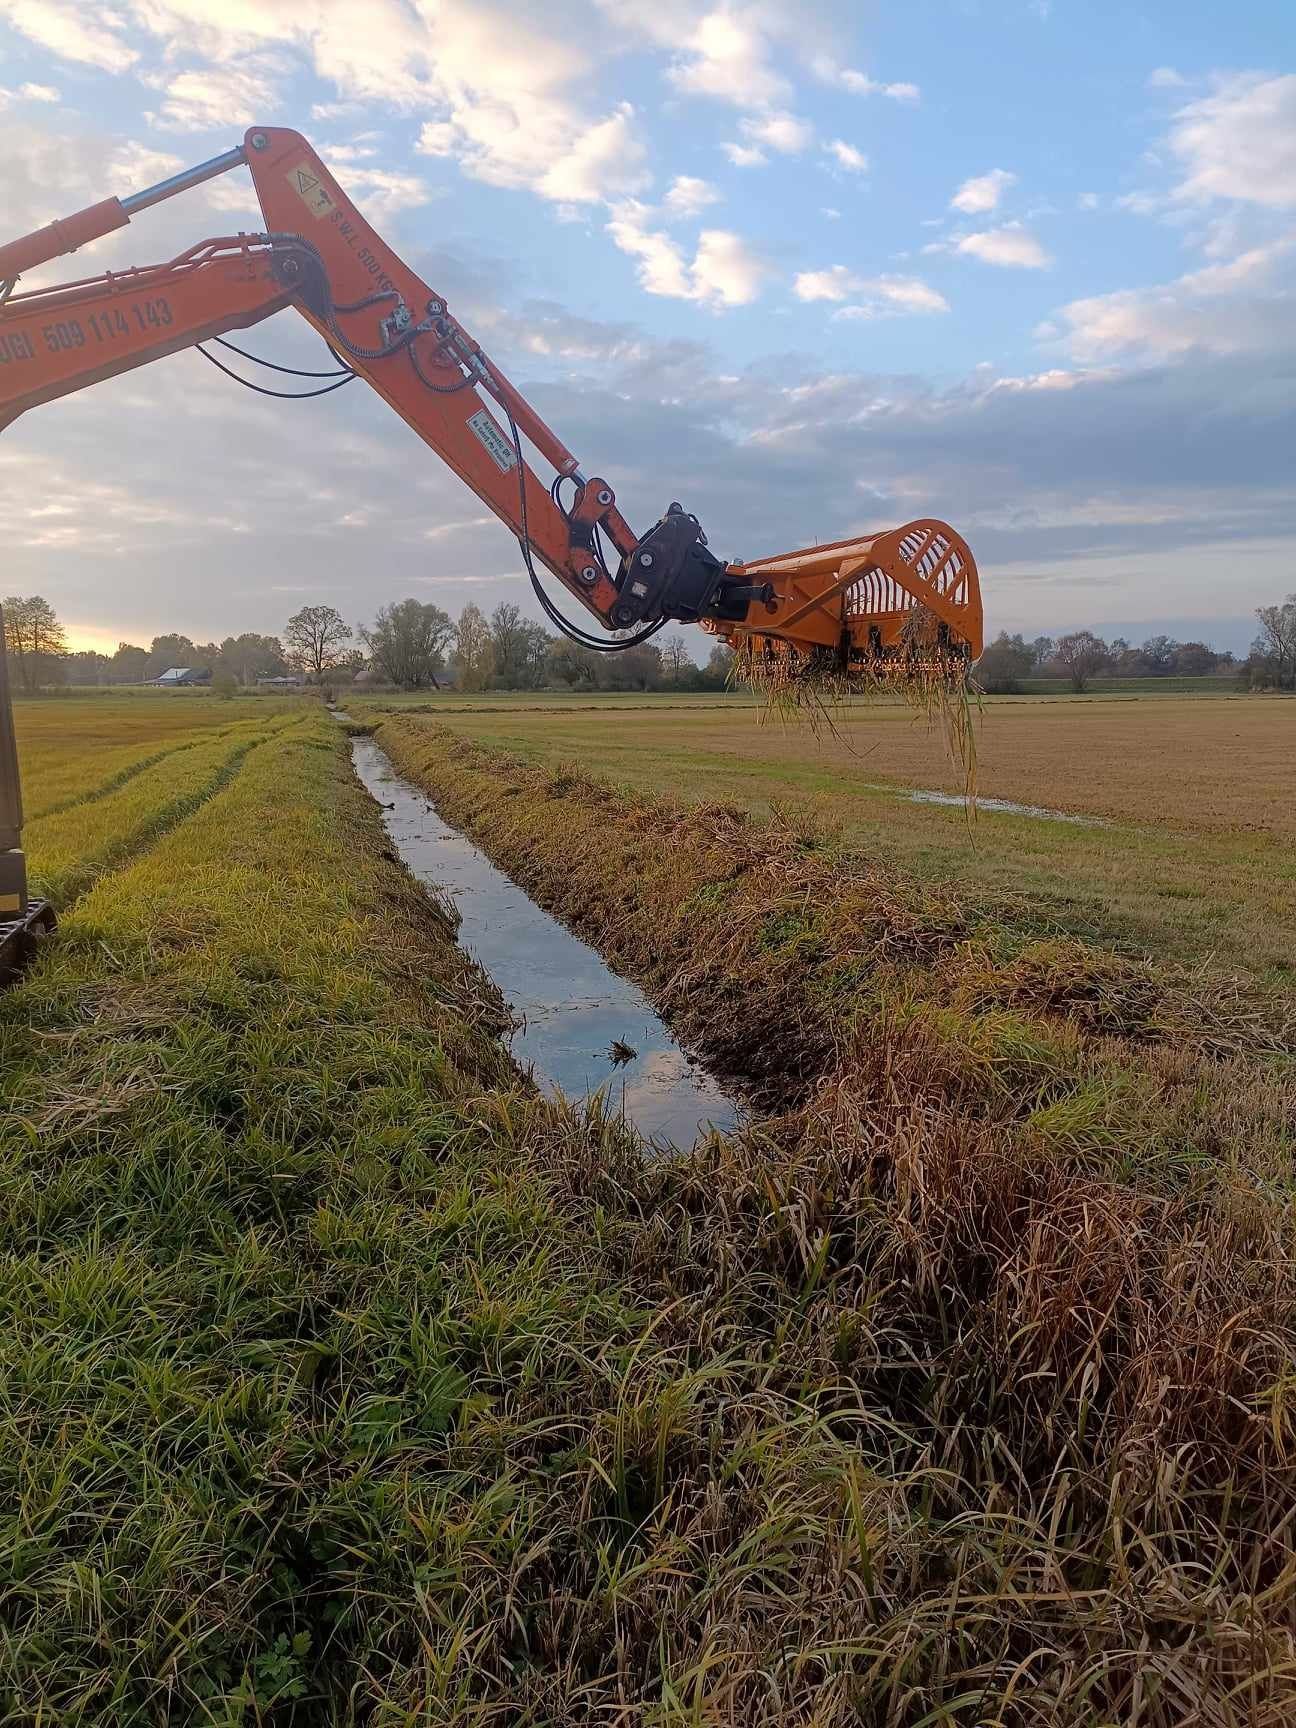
569, 1006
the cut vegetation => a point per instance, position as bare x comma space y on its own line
345, 1379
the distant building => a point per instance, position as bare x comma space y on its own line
175, 676
289, 681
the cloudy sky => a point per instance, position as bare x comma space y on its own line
810, 268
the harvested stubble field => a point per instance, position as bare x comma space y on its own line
345, 1379
1189, 849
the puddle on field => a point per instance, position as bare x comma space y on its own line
568, 1004
1004, 805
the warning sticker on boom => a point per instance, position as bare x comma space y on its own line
310, 189
498, 446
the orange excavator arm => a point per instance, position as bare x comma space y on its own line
845, 607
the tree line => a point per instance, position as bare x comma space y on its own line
1082, 656
411, 645
415, 645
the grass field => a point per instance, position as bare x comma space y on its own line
1192, 848
344, 1379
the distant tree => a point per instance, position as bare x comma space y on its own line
408, 640
1158, 656
573, 665
86, 666
1004, 664
677, 662
474, 649
314, 638
719, 667
224, 685
633, 669
1043, 650
36, 641
520, 647
130, 663
168, 651
1195, 660
508, 645
535, 655
1276, 641
1081, 655
348, 663
251, 656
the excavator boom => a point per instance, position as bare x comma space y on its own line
846, 607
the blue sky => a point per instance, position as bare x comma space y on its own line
1026, 264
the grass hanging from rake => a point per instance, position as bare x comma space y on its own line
923, 672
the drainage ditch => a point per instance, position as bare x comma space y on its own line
579, 1028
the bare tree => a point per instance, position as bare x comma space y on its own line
314, 639
520, 649
1082, 654
1276, 641
36, 640
408, 640
1004, 664
676, 659
474, 649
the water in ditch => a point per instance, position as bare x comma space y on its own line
569, 1007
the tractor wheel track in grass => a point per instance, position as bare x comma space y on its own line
128, 847
132, 770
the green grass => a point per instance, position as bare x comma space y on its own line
344, 1379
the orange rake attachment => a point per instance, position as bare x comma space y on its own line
898, 604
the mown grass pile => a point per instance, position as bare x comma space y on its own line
1014, 1267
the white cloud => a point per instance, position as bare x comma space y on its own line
603, 162
859, 83
728, 57
745, 155
1239, 307
67, 31
212, 99
723, 272
1088, 201
29, 93
1012, 247
726, 270
847, 156
135, 166
834, 283
544, 150
1165, 78
1240, 142
781, 131
871, 295
831, 214
689, 196
384, 193
983, 192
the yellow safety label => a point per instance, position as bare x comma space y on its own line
310, 189
10, 902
